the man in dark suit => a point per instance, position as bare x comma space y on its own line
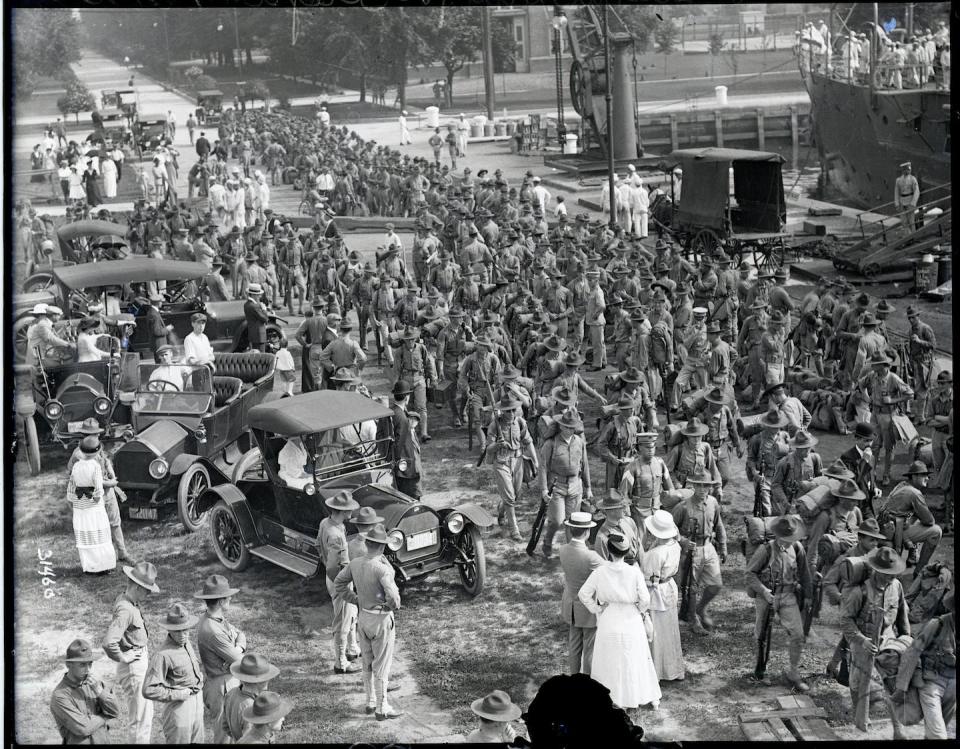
154, 324
577, 562
203, 146
257, 318
861, 461
406, 449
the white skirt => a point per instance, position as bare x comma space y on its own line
621, 657
91, 528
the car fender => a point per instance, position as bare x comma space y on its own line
474, 513
237, 502
184, 460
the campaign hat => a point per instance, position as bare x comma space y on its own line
343, 500
253, 668
788, 528
216, 586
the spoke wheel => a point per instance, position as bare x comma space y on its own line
194, 482
32, 443
473, 570
38, 282
227, 539
20, 338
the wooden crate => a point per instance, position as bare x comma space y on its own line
796, 718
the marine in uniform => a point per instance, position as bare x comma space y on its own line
618, 441
334, 556
475, 382
510, 441
922, 344
564, 475
377, 597
907, 518
644, 479
800, 465
253, 673
693, 455
616, 519
82, 705
764, 451
886, 392
412, 363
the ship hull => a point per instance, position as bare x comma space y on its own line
862, 139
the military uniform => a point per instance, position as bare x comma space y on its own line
934, 652
565, 474
175, 679
375, 593
641, 485
906, 517
82, 709
126, 643
509, 440
700, 523
764, 452
790, 473
416, 366
617, 444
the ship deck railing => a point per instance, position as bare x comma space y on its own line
943, 203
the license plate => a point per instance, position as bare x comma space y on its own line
143, 513
74, 426
421, 540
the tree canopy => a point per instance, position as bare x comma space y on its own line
45, 42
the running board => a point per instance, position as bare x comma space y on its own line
287, 559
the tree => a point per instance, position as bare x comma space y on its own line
45, 42
716, 44
665, 37
257, 89
77, 99
639, 20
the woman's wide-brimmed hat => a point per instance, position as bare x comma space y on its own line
661, 524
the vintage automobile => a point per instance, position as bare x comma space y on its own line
52, 402
80, 242
307, 448
108, 99
127, 101
191, 429
75, 287
149, 130
209, 106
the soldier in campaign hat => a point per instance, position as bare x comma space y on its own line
82, 704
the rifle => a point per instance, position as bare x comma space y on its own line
469, 419
862, 706
537, 528
496, 420
813, 607
763, 645
686, 580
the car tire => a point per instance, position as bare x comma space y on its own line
20, 328
194, 481
473, 574
227, 539
32, 444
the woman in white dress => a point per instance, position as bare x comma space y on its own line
91, 527
617, 594
87, 336
661, 560
77, 190
108, 170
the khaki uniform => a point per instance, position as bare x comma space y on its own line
934, 650
175, 679
564, 467
789, 474
701, 523
219, 644
126, 643
642, 484
617, 442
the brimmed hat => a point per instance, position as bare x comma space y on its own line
714, 327
253, 668
870, 527
880, 359
864, 430
365, 516
143, 574
496, 706
179, 618
945, 377
267, 707
583, 520
912, 311
772, 389
402, 387
701, 477
626, 403
164, 348
694, 428
90, 426
803, 439
613, 501
563, 396
89, 323
661, 524
837, 470
80, 651
618, 541
574, 359
631, 375
788, 528
917, 468
216, 586
886, 560
254, 288
848, 490
342, 500
570, 420
868, 320
552, 343
773, 419
344, 374
716, 396
409, 333
377, 534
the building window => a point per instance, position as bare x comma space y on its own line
518, 37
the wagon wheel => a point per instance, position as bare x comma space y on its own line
227, 538
194, 482
38, 282
579, 88
473, 569
705, 242
32, 443
871, 270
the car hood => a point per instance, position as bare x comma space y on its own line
162, 436
389, 504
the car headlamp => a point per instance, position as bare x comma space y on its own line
200, 434
402, 464
53, 410
102, 406
309, 490
395, 540
455, 522
158, 468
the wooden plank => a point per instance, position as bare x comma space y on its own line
803, 712
822, 729
780, 729
789, 701
803, 730
758, 732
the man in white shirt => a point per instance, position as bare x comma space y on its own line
463, 129
324, 116
196, 346
405, 139
264, 192
541, 195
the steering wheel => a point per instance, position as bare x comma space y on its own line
160, 386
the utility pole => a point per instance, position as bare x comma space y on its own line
236, 32
608, 97
488, 82
166, 39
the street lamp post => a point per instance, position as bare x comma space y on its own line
559, 23
609, 101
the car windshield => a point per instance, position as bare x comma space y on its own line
350, 450
174, 388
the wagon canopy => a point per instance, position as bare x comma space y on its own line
130, 270
757, 187
310, 413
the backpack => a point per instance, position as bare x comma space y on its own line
659, 344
